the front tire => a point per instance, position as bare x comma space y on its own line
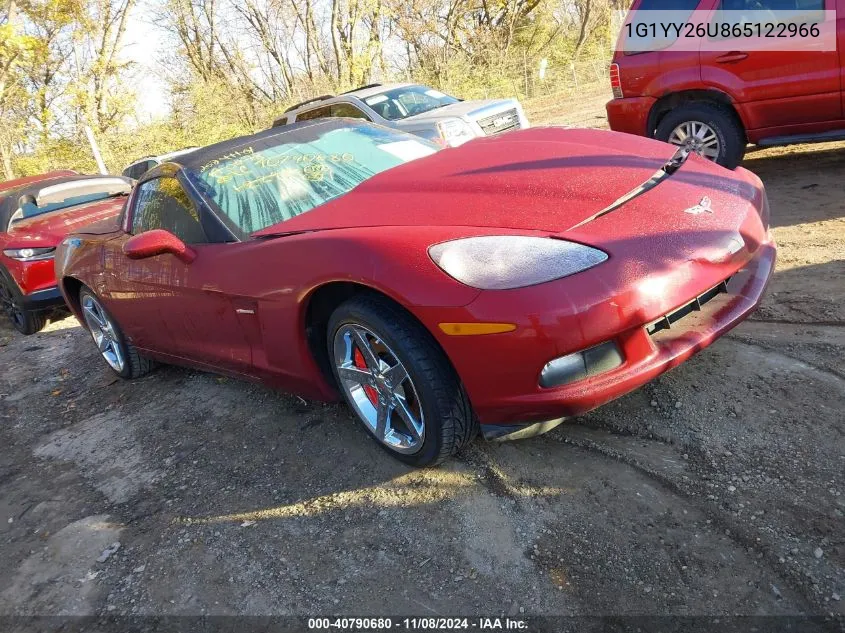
398, 382
119, 353
710, 130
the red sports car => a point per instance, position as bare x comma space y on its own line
36, 213
510, 282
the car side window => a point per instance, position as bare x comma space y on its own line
162, 203
316, 113
679, 10
668, 5
139, 169
348, 110
742, 11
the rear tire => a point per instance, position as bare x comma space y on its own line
33, 322
431, 385
728, 130
24, 321
123, 358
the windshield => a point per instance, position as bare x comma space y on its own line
277, 177
400, 103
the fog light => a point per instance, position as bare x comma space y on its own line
579, 365
565, 369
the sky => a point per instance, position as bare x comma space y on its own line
143, 43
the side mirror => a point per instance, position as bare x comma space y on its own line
158, 242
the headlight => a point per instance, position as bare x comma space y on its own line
501, 262
30, 254
454, 132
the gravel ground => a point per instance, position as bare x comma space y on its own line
716, 490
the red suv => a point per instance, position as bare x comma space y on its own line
718, 102
36, 214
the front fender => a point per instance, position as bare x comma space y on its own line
78, 261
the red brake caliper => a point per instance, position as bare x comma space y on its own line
360, 363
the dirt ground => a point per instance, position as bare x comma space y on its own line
716, 490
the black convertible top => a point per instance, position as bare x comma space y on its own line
315, 128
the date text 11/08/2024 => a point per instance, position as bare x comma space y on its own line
418, 624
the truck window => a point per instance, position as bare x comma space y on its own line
772, 5
668, 5
316, 113
348, 110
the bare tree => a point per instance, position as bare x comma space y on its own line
588, 16
50, 30
215, 54
11, 49
97, 66
259, 20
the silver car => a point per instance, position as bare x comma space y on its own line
416, 109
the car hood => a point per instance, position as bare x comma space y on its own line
543, 179
475, 109
51, 228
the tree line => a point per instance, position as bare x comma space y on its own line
229, 66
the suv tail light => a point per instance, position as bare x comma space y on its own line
615, 81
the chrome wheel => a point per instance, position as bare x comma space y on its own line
378, 387
103, 332
698, 137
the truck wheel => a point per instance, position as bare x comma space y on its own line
708, 129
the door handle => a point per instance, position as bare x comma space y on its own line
733, 56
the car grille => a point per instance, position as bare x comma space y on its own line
665, 322
500, 122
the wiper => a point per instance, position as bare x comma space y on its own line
678, 158
274, 235
669, 167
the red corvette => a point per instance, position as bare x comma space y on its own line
510, 282
36, 213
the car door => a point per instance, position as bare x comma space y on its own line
777, 88
666, 68
177, 308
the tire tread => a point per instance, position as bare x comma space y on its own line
139, 365
34, 322
136, 364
